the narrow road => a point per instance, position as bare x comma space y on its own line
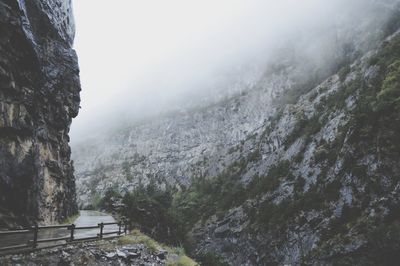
90, 218
86, 218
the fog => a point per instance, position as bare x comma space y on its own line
142, 58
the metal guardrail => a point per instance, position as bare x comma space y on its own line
33, 243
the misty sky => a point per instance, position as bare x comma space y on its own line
141, 56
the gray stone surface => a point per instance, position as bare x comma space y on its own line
39, 96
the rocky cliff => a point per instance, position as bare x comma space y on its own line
39, 96
175, 147
321, 179
302, 167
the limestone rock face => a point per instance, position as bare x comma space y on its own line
39, 96
297, 172
323, 187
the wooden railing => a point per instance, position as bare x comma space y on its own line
70, 237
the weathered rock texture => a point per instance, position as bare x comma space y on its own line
39, 96
176, 147
271, 177
322, 177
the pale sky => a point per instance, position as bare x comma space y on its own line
137, 56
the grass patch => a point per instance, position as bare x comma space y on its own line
126, 240
136, 237
174, 250
182, 260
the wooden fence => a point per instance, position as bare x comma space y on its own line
70, 237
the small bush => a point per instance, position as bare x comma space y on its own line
111, 197
127, 171
150, 209
321, 154
344, 71
304, 128
389, 94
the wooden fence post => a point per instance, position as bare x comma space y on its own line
34, 243
72, 228
101, 229
35, 235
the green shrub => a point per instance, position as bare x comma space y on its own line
304, 128
254, 156
299, 185
344, 71
207, 196
150, 210
332, 190
321, 154
127, 171
263, 184
95, 201
389, 95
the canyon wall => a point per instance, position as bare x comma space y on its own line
299, 168
39, 96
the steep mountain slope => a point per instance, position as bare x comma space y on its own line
39, 96
300, 168
324, 184
175, 147
169, 148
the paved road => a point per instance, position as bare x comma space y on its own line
90, 218
86, 218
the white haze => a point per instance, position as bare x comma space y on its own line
141, 57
